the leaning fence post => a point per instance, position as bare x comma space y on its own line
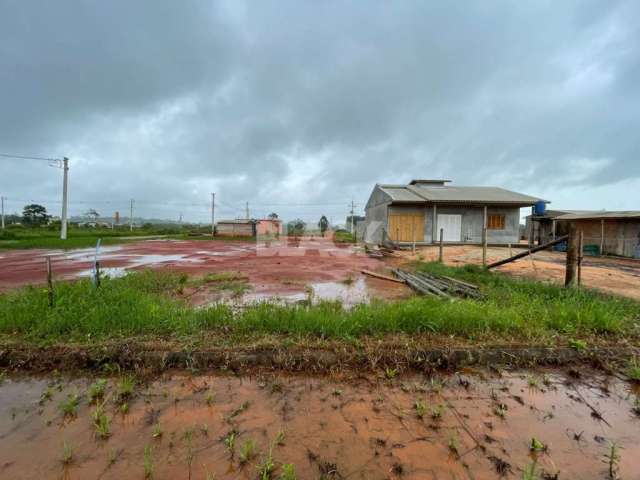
49, 281
440, 252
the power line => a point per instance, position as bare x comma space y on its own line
26, 157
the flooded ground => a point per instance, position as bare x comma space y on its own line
289, 269
620, 276
472, 425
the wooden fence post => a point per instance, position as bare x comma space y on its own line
413, 235
97, 274
572, 256
580, 255
440, 253
49, 281
484, 237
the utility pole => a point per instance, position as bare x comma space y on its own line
352, 207
131, 217
2, 202
247, 210
65, 181
213, 206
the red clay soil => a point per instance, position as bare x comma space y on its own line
282, 267
472, 425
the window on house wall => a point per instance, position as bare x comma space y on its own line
495, 221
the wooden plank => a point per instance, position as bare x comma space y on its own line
382, 277
528, 252
468, 285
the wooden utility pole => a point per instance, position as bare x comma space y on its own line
572, 256
440, 253
2, 201
580, 256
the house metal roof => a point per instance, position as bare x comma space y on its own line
237, 221
601, 214
421, 193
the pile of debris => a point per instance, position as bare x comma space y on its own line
379, 251
438, 285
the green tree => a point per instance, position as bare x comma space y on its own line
295, 228
34, 214
92, 214
323, 224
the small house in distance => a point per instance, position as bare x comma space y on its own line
236, 228
270, 227
604, 232
416, 212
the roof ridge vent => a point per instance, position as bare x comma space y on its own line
434, 182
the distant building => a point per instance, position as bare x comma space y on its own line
418, 211
236, 228
269, 227
604, 232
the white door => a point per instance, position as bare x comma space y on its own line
452, 227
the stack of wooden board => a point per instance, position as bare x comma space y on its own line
438, 285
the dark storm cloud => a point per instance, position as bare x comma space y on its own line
310, 102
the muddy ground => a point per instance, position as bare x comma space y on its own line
292, 270
470, 425
287, 269
620, 276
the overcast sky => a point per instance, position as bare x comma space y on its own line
298, 107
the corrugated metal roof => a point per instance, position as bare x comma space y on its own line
595, 215
446, 193
237, 220
400, 193
471, 194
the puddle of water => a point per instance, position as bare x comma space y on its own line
111, 272
359, 429
349, 294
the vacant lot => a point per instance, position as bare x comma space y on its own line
338, 375
472, 425
286, 269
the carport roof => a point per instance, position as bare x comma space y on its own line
455, 194
602, 214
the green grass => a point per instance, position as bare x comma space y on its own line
48, 237
342, 236
144, 303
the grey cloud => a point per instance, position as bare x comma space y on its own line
168, 100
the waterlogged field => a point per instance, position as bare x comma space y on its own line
471, 425
155, 302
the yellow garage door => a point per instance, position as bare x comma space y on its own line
406, 227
